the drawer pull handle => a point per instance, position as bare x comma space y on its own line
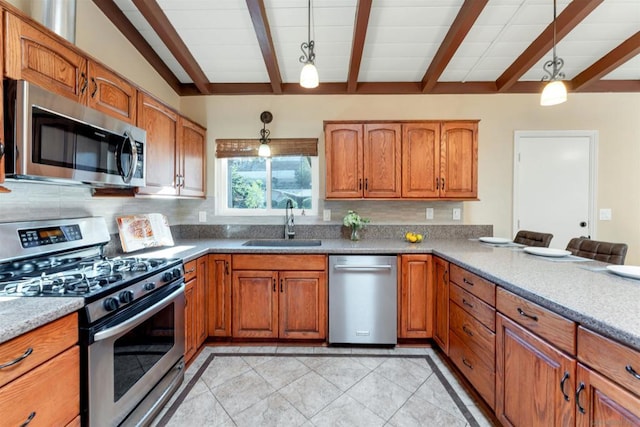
467, 330
578, 391
522, 313
632, 371
564, 379
193, 270
468, 304
468, 282
29, 418
469, 365
18, 359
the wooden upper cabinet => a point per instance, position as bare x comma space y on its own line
111, 94
404, 160
343, 155
192, 159
459, 160
382, 160
420, 159
161, 124
33, 55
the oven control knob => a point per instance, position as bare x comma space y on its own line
149, 286
176, 273
167, 277
126, 297
110, 304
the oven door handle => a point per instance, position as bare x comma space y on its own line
143, 315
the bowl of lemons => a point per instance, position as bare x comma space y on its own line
413, 237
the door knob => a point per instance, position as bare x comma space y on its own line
583, 223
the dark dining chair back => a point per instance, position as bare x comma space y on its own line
533, 238
613, 253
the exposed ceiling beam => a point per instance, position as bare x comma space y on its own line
168, 34
263, 32
459, 29
570, 17
618, 56
359, 35
122, 23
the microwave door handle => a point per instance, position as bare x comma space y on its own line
128, 139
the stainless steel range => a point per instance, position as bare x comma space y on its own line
132, 322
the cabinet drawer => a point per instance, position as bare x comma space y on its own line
613, 360
474, 306
280, 262
480, 375
50, 391
473, 334
552, 327
482, 288
190, 270
38, 345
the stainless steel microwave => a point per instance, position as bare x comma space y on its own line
52, 138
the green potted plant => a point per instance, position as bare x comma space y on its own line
355, 222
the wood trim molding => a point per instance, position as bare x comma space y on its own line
263, 33
359, 34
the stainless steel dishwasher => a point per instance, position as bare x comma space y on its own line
363, 299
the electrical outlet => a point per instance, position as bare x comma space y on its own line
326, 215
456, 214
605, 214
202, 216
429, 213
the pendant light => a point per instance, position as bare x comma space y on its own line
309, 75
264, 150
554, 92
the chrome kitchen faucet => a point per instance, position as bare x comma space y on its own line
289, 231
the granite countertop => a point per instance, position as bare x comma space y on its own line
582, 291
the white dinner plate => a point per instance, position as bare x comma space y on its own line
499, 240
631, 271
551, 252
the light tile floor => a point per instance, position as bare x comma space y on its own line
320, 386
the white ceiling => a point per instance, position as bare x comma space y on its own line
402, 38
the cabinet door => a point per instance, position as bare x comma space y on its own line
190, 346
219, 295
535, 381
382, 160
201, 301
601, 402
31, 54
255, 304
416, 297
459, 160
161, 124
441, 306
421, 160
343, 155
192, 159
111, 94
303, 304
2, 189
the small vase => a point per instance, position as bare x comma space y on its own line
355, 235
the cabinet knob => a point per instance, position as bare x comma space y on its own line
1, 150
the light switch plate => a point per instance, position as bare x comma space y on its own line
456, 214
326, 214
202, 216
429, 213
605, 214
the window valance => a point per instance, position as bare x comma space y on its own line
279, 147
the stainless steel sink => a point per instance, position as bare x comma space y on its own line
283, 242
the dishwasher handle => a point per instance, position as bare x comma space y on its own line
362, 267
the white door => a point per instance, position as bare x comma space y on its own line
554, 182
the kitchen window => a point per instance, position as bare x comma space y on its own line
253, 185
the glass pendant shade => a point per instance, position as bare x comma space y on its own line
309, 76
264, 150
555, 92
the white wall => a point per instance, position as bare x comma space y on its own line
616, 117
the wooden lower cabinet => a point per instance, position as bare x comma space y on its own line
441, 309
195, 305
535, 381
416, 297
602, 402
201, 302
286, 303
190, 320
219, 295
